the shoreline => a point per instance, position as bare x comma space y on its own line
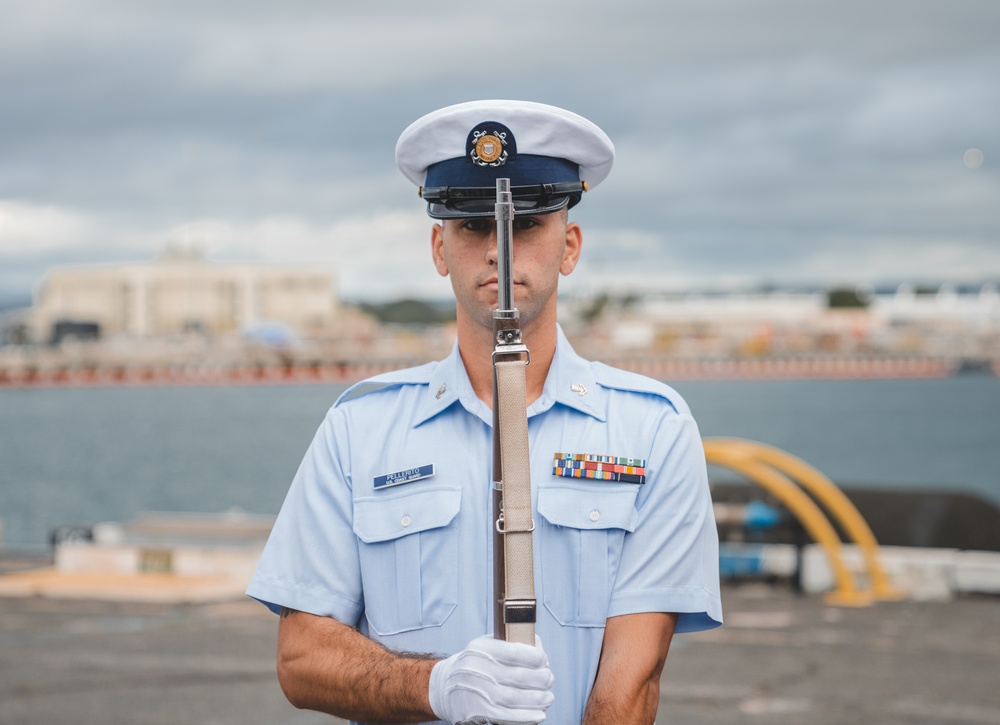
347, 373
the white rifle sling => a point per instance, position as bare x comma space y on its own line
519, 575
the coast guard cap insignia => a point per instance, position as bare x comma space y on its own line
490, 144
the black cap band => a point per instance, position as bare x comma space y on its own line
452, 202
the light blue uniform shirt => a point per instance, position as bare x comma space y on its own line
411, 564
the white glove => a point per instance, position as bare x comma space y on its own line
492, 681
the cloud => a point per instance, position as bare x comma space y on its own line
386, 256
36, 237
774, 138
27, 227
383, 256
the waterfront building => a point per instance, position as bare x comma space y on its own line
948, 305
945, 321
180, 292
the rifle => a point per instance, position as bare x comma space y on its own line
513, 567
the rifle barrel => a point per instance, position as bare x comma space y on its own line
505, 330
505, 219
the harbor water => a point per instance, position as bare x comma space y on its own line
79, 456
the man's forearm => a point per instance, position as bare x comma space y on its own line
627, 688
637, 707
327, 666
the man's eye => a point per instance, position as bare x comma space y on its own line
524, 223
476, 225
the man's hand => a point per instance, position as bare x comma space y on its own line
492, 681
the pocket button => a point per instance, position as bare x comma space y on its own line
595, 515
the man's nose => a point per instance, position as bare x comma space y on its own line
491, 247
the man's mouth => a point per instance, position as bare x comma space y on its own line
492, 282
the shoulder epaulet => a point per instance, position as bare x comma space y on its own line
419, 375
618, 379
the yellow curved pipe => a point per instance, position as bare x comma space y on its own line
829, 496
803, 508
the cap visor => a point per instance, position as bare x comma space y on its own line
485, 208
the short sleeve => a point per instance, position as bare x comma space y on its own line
670, 562
310, 562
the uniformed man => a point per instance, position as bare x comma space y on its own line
382, 550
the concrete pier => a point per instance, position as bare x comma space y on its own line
781, 658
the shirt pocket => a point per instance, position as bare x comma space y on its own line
409, 558
580, 539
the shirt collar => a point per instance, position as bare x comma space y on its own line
447, 384
570, 382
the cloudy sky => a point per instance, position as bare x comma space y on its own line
768, 142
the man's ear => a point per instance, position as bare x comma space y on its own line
437, 254
571, 252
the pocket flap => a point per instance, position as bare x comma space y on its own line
382, 518
586, 507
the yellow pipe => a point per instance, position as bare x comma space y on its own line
803, 508
829, 496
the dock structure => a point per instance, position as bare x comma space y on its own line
177, 558
835, 550
157, 557
145, 622
779, 658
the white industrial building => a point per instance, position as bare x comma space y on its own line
181, 292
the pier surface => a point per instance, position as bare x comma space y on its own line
781, 658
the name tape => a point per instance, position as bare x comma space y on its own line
404, 476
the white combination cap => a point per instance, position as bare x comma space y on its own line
456, 154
